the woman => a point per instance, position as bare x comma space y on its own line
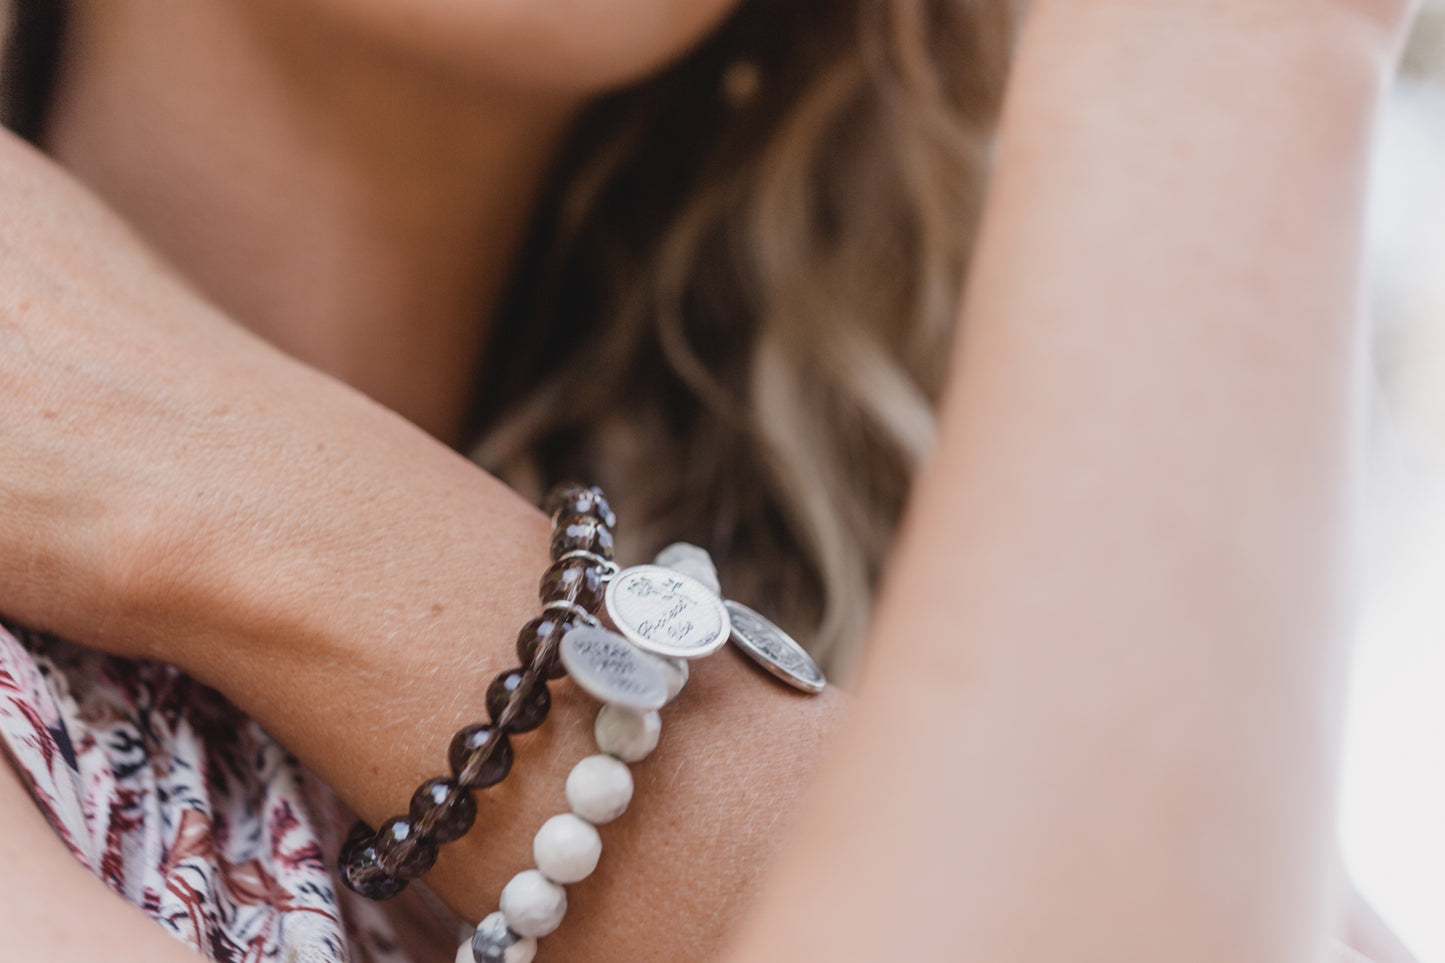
1118, 596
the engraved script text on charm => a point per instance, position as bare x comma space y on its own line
613, 670
666, 613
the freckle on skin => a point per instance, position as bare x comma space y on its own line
437, 608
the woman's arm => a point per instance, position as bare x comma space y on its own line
1100, 717
355, 585
52, 908
173, 488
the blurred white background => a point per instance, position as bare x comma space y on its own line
1393, 818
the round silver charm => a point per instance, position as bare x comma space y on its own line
774, 649
666, 613
613, 670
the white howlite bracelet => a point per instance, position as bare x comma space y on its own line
665, 613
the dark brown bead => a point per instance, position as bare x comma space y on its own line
518, 701
442, 809
360, 867
544, 633
480, 756
565, 500
402, 850
574, 580
359, 834
582, 533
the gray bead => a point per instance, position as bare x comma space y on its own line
494, 942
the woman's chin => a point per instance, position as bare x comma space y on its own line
575, 47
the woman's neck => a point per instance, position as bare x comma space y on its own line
357, 211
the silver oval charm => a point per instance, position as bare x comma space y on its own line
774, 649
666, 613
613, 670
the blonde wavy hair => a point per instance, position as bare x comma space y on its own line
737, 300
737, 303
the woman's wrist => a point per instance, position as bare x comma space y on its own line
305, 511
365, 638
345, 579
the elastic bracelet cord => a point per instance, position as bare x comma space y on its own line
378, 864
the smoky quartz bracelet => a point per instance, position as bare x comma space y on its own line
379, 863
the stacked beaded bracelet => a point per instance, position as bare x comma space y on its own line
632, 675
666, 613
379, 864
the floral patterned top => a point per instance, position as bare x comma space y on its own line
183, 806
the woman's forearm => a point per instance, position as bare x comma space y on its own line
1099, 719
173, 488
1071, 539
364, 631
88, 921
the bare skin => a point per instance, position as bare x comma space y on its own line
416, 186
228, 542
1141, 755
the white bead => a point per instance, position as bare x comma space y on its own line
567, 849
677, 672
533, 904
692, 561
599, 789
626, 734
